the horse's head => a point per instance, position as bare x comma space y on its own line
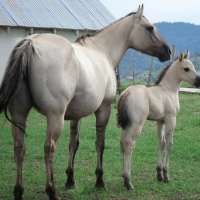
145, 38
187, 70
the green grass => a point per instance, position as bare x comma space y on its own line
184, 162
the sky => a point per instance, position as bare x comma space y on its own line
158, 10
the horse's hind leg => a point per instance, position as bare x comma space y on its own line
102, 117
128, 141
55, 124
19, 151
73, 146
161, 145
19, 108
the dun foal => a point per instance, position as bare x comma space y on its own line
159, 103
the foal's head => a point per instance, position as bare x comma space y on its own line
186, 70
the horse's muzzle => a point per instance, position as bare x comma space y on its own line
165, 53
197, 81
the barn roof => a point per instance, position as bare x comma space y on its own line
61, 14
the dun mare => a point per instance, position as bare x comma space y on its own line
159, 103
68, 81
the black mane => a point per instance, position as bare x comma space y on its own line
83, 37
162, 73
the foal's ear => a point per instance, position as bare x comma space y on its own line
187, 55
139, 12
181, 56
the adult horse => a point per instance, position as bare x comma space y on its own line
68, 81
159, 103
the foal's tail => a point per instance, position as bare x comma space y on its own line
122, 115
16, 72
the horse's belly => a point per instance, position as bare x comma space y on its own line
82, 106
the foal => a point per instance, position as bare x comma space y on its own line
159, 103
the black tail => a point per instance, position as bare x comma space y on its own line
122, 115
16, 72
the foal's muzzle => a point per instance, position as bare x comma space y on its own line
197, 81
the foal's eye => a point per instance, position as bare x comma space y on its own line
149, 28
187, 69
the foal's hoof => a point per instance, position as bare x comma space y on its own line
166, 179
160, 177
166, 176
128, 185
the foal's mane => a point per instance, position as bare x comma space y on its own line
87, 35
162, 73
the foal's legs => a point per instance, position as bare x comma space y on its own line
161, 145
55, 123
170, 124
102, 117
73, 146
128, 141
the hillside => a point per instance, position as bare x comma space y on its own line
183, 35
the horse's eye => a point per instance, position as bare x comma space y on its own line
186, 69
149, 28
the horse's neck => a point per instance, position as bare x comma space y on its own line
113, 40
171, 80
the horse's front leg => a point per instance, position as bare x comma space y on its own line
73, 146
161, 145
55, 126
169, 128
102, 117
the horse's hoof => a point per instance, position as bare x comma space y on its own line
70, 185
160, 177
18, 192
54, 198
100, 185
50, 190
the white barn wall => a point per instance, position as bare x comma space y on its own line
7, 42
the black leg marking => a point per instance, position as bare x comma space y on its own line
18, 192
159, 173
70, 184
99, 182
166, 176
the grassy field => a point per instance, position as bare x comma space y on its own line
184, 162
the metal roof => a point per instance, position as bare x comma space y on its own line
61, 14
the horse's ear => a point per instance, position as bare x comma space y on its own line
139, 12
181, 56
187, 55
